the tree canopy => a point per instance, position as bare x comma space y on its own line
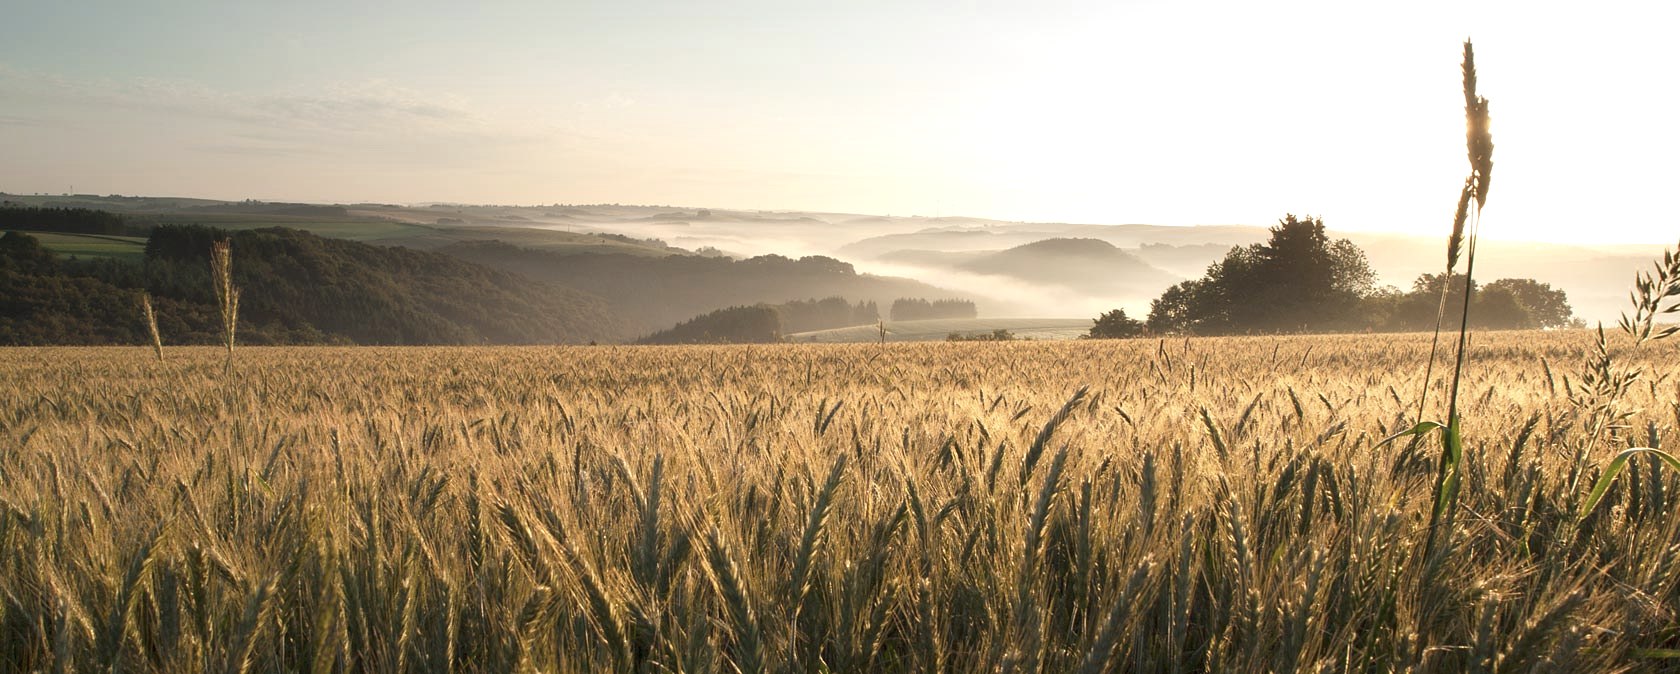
1505, 304
1298, 280
756, 324
1301, 280
1548, 307
1115, 325
916, 309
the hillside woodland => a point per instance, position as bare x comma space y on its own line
297, 288
756, 324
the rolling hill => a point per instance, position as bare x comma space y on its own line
1076, 263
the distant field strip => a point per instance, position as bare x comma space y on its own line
939, 329
91, 245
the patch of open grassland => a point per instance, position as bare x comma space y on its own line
92, 245
1204, 505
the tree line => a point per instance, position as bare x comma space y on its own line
825, 314
917, 309
1302, 281
755, 324
14, 216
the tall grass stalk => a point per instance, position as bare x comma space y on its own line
1449, 468
1479, 149
151, 324
227, 295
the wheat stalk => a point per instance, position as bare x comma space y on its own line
227, 295
151, 324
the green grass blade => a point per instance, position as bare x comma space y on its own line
1421, 428
1615, 469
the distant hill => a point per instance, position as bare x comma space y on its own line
656, 292
998, 236
1075, 263
945, 241
422, 228
296, 288
1067, 261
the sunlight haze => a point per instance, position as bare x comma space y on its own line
1084, 112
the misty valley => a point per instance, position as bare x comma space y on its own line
456, 274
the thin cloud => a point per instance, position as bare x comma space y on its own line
18, 120
363, 113
252, 150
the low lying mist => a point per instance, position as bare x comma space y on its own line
1016, 269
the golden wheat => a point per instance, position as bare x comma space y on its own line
1184, 505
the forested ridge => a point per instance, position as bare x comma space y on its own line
296, 288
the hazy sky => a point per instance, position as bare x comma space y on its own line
1103, 112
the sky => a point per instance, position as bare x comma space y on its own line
1093, 112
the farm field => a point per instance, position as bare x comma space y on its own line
92, 245
343, 227
938, 329
1198, 505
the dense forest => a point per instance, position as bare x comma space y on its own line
297, 288
71, 220
733, 325
655, 292
824, 314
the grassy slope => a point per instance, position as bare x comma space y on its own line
92, 245
939, 329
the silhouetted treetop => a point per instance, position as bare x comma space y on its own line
1298, 280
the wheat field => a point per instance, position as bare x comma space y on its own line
1200, 505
